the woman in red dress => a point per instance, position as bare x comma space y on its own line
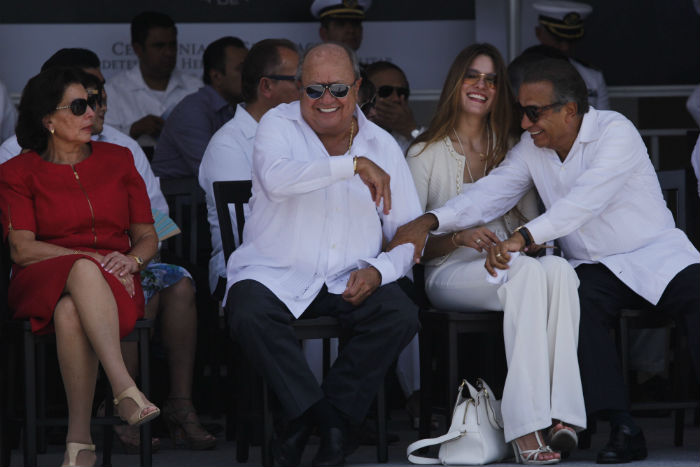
78, 223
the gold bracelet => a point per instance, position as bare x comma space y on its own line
454, 235
354, 165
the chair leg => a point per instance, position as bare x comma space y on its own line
266, 446
41, 397
425, 341
144, 373
382, 442
30, 431
107, 434
244, 401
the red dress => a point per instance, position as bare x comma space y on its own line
88, 206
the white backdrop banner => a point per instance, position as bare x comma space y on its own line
423, 49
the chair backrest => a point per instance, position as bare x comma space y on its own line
225, 193
187, 207
673, 187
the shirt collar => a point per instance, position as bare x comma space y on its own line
590, 130
137, 83
213, 98
292, 111
245, 121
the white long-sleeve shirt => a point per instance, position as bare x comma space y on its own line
313, 221
130, 98
10, 148
229, 156
604, 203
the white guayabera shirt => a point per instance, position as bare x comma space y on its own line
604, 203
313, 221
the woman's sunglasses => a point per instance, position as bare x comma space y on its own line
78, 106
316, 91
473, 77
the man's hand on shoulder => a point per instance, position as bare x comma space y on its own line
415, 232
362, 283
376, 180
148, 125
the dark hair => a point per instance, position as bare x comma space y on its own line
382, 65
567, 84
147, 20
214, 57
79, 58
528, 56
40, 97
263, 59
501, 122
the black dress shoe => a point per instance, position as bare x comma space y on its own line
623, 447
287, 450
331, 451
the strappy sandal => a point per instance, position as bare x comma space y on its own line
531, 456
139, 415
73, 449
184, 427
563, 439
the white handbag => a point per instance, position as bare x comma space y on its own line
475, 436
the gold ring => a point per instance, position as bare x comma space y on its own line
498, 255
478, 240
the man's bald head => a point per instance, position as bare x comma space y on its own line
329, 52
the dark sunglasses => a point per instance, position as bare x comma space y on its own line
94, 98
281, 77
339, 90
77, 107
534, 112
386, 91
474, 76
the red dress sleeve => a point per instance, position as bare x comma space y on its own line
16, 200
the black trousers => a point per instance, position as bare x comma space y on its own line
602, 297
378, 330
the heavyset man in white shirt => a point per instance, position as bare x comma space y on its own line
141, 98
605, 208
328, 187
267, 80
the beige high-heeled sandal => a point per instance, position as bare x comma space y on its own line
532, 456
73, 449
137, 417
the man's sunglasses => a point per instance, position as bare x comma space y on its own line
94, 97
386, 91
78, 106
473, 77
316, 91
534, 112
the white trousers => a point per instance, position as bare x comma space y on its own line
540, 329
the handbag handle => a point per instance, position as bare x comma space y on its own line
422, 443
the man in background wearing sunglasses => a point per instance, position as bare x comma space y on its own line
328, 187
390, 109
267, 80
605, 207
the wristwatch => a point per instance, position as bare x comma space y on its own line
522, 230
138, 260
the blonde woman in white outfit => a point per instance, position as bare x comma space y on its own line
472, 130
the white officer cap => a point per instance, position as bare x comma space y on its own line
563, 19
340, 9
